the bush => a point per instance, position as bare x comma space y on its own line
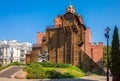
3, 67
17, 63
48, 70
62, 65
68, 75
36, 74
14, 63
35, 71
57, 65
53, 74
0, 67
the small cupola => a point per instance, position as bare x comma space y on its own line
70, 8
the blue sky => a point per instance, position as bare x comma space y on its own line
21, 19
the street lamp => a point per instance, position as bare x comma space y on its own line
108, 65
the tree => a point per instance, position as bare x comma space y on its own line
105, 55
115, 56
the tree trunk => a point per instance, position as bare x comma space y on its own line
116, 78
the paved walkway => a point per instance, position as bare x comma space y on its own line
87, 78
10, 71
97, 78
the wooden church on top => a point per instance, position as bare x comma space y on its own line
64, 39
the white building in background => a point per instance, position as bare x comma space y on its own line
12, 50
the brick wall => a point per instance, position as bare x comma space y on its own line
81, 20
57, 22
95, 51
39, 37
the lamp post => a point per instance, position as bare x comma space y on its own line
107, 37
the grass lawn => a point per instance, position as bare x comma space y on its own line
75, 72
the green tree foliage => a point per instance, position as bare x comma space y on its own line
105, 55
115, 56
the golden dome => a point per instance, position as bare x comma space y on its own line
70, 8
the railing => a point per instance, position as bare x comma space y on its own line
54, 26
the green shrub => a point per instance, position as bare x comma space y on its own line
52, 70
62, 65
29, 76
47, 64
17, 63
68, 75
36, 74
57, 65
0, 67
3, 67
35, 71
53, 74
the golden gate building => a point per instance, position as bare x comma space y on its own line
69, 41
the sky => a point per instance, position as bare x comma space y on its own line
21, 19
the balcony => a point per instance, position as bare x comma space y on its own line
54, 26
36, 45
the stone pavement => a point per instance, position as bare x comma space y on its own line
87, 78
97, 78
10, 71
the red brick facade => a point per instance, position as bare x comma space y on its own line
95, 51
39, 38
